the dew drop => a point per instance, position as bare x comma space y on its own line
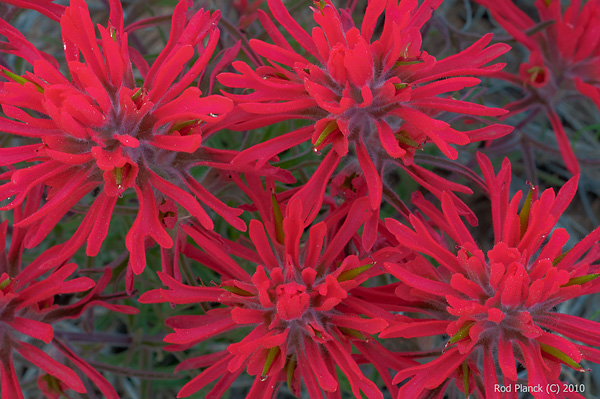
582, 370
446, 347
212, 115
263, 377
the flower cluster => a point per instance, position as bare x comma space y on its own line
499, 304
564, 57
381, 96
399, 264
99, 130
299, 302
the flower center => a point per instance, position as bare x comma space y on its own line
292, 301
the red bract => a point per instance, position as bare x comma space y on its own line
565, 56
102, 131
380, 95
27, 308
498, 307
298, 300
46, 7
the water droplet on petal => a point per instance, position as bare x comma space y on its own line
446, 347
264, 377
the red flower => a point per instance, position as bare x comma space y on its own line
101, 130
565, 56
298, 300
497, 307
380, 95
27, 308
534, 72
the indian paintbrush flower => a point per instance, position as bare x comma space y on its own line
565, 57
103, 132
380, 96
497, 306
298, 300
